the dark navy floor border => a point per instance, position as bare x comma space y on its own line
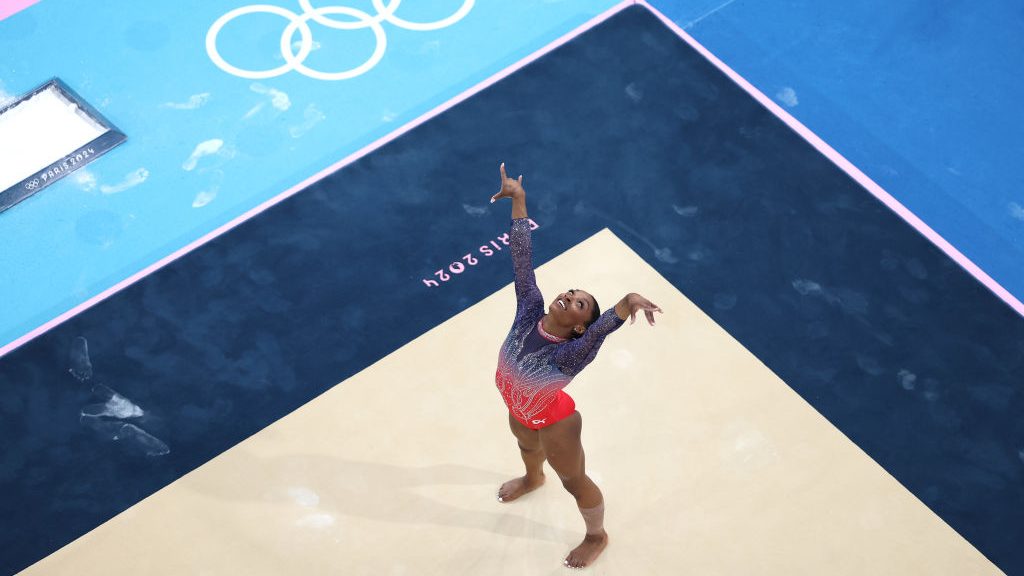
625, 127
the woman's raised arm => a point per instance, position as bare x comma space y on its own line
528, 296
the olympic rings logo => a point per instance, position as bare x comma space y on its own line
300, 23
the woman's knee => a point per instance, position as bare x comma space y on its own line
575, 484
530, 448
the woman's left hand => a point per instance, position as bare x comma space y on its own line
638, 303
510, 187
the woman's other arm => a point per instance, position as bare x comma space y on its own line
632, 303
574, 355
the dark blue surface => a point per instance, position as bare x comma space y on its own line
922, 95
625, 127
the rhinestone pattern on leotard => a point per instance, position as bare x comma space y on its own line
529, 381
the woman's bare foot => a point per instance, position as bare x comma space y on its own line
516, 487
587, 551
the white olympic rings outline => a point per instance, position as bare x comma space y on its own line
299, 22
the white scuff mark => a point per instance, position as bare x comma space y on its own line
107, 419
308, 498
130, 180
787, 96
852, 302
1017, 211
474, 210
388, 116
252, 111
746, 449
194, 101
204, 148
116, 407
665, 255
695, 21
297, 45
81, 366
205, 197
806, 287
84, 179
311, 117
907, 379
634, 92
303, 496
747, 443
141, 440
278, 99
685, 210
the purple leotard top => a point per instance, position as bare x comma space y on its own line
533, 367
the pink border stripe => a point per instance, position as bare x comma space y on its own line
315, 178
11, 7
846, 166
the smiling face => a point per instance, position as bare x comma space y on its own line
573, 308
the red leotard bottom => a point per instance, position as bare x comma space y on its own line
561, 408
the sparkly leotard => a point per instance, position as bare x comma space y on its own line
533, 367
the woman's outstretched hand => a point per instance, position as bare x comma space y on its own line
510, 187
633, 303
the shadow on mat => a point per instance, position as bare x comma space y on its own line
329, 487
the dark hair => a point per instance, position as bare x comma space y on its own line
595, 313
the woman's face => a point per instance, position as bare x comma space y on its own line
572, 307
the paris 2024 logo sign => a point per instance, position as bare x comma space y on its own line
354, 19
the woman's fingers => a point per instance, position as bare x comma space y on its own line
648, 310
501, 190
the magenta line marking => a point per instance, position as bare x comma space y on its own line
11, 7
846, 166
314, 178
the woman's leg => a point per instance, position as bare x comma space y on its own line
561, 443
533, 457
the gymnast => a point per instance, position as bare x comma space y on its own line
539, 357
